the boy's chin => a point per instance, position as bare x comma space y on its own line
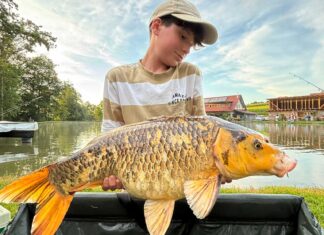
174, 64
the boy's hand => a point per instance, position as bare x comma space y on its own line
112, 183
225, 180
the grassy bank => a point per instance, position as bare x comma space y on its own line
314, 197
260, 108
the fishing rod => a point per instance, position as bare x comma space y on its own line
320, 89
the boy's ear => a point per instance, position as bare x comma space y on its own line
155, 26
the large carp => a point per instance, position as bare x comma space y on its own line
161, 160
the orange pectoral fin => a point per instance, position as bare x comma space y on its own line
201, 195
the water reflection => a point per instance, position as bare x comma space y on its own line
293, 136
55, 140
52, 141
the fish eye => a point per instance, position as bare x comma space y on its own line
257, 145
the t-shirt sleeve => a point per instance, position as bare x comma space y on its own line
198, 99
112, 114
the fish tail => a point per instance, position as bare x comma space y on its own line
36, 188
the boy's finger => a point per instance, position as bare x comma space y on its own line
105, 184
119, 184
112, 181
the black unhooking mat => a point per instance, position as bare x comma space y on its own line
239, 214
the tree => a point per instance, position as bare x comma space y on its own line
93, 112
9, 83
39, 89
98, 112
88, 111
70, 105
17, 37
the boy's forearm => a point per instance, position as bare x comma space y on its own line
198, 106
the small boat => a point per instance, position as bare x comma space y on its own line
24, 130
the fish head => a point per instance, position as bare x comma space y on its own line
240, 152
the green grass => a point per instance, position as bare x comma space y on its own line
301, 122
261, 108
314, 197
12, 207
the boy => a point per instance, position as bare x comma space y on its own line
160, 83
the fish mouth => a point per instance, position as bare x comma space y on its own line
284, 165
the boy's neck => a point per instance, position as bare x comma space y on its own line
152, 64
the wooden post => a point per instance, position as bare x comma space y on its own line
309, 103
319, 103
285, 104
296, 104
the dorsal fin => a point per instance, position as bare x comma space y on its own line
170, 118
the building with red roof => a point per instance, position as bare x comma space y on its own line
232, 107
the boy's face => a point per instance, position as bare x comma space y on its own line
172, 43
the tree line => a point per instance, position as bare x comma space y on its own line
29, 85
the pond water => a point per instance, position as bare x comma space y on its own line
55, 140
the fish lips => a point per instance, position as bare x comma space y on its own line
284, 165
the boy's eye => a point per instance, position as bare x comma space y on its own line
184, 36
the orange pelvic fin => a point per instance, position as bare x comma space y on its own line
158, 214
36, 188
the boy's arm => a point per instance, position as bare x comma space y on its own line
112, 118
198, 98
112, 115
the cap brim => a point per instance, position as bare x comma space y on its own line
209, 30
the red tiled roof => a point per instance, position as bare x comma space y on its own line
223, 103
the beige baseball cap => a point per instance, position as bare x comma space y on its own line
186, 11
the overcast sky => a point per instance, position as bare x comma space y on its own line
260, 43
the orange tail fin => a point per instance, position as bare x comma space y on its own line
36, 188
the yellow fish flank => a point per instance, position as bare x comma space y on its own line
161, 161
